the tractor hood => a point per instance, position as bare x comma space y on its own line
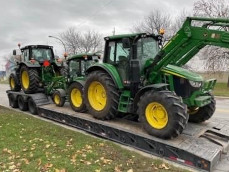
181, 72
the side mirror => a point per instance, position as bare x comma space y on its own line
14, 52
126, 42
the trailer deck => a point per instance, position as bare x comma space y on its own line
201, 146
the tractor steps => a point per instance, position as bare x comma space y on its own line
201, 146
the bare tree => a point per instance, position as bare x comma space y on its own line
153, 23
77, 42
71, 39
217, 59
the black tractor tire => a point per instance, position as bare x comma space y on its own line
203, 113
59, 97
22, 104
76, 98
109, 109
174, 111
32, 106
14, 82
29, 78
13, 101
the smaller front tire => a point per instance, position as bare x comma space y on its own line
76, 97
59, 97
162, 114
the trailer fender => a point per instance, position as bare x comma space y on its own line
111, 70
156, 87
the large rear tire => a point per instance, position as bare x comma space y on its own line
204, 113
14, 83
22, 104
101, 95
29, 78
162, 114
76, 98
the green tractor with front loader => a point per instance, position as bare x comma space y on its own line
72, 85
138, 76
36, 65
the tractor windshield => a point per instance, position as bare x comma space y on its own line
147, 48
41, 54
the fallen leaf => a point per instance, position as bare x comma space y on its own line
98, 170
47, 146
163, 166
87, 162
48, 165
39, 162
117, 169
25, 160
130, 170
12, 167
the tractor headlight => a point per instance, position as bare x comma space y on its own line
195, 84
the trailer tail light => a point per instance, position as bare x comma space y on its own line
46, 63
181, 160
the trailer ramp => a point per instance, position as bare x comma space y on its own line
201, 146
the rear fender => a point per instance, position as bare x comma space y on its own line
111, 70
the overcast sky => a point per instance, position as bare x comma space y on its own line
31, 21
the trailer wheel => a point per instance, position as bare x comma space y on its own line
29, 78
101, 95
32, 106
162, 114
76, 98
22, 104
58, 98
13, 101
14, 83
204, 113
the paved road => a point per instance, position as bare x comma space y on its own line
222, 104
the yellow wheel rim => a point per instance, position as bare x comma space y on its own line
56, 99
156, 115
76, 97
193, 111
25, 79
12, 83
97, 96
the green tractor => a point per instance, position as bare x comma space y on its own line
72, 86
138, 76
35, 68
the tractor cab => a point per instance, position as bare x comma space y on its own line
77, 64
130, 53
37, 53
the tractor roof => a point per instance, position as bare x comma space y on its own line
36, 46
83, 56
132, 35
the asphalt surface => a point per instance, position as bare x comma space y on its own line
222, 104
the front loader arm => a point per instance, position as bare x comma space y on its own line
190, 39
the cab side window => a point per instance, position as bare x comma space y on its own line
26, 55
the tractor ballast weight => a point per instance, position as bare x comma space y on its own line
153, 84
